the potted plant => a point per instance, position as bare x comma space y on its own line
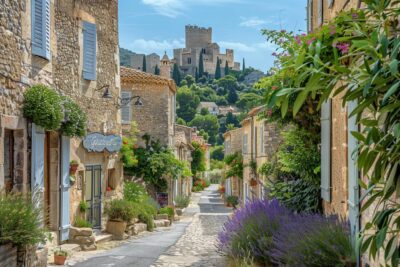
73, 167
232, 201
119, 212
60, 256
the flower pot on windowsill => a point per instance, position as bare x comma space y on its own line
73, 167
253, 182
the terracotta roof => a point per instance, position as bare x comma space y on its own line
137, 76
231, 132
254, 111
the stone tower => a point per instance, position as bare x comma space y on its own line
165, 68
197, 37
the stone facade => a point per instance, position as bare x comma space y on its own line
152, 61
233, 144
62, 71
199, 40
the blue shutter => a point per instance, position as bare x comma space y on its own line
41, 28
126, 109
89, 51
353, 189
326, 151
37, 165
64, 189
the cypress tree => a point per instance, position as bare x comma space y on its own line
226, 68
218, 70
201, 65
176, 75
157, 70
144, 68
244, 65
196, 76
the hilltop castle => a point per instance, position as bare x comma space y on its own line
199, 40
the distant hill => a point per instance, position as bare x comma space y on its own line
125, 57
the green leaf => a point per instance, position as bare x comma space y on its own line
284, 107
394, 64
359, 136
390, 92
381, 236
299, 101
391, 247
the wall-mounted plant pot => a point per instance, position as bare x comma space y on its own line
73, 168
253, 182
59, 259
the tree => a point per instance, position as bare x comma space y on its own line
157, 70
232, 119
181, 121
217, 152
144, 67
196, 76
187, 102
189, 80
201, 65
244, 65
209, 123
204, 111
218, 70
232, 96
198, 159
248, 101
176, 74
226, 68
228, 82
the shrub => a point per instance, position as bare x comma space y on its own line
82, 223
233, 200
182, 201
42, 106
250, 230
168, 210
150, 205
75, 125
148, 219
197, 188
313, 240
21, 219
134, 192
119, 209
83, 206
297, 195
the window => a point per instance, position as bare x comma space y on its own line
41, 28
89, 51
330, 3
126, 111
245, 144
112, 181
189, 60
8, 160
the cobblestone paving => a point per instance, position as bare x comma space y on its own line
197, 247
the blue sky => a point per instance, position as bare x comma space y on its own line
147, 26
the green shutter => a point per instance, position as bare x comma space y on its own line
89, 51
326, 151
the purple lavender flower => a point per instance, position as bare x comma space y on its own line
354, 16
297, 39
332, 29
310, 41
342, 47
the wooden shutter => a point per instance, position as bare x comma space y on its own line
64, 189
353, 188
126, 109
40, 16
330, 3
37, 166
326, 151
245, 144
320, 12
89, 51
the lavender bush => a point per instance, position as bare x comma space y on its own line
313, 240
249, 233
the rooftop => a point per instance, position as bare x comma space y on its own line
137, 76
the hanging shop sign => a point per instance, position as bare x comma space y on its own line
97, 142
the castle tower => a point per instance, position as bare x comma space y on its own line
165, 66
197, 37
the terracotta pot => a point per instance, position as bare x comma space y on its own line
116, 228
253, 182
59, 260
73, 168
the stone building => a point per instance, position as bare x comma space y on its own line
260, 142
199, 40
212, 107
72, 47
233, 144
340, 190
152, 61
156, 116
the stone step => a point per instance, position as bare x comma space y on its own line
102, 238
162, 223
161, 217
136, 228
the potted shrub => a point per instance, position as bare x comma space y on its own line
253, 182
232, 201
119, 212
60, 256
73, 167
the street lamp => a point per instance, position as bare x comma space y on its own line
121, 101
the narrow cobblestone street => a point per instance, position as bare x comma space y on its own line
189, 242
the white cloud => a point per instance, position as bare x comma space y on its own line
242, 47
174, 8
150, 46
252, 22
